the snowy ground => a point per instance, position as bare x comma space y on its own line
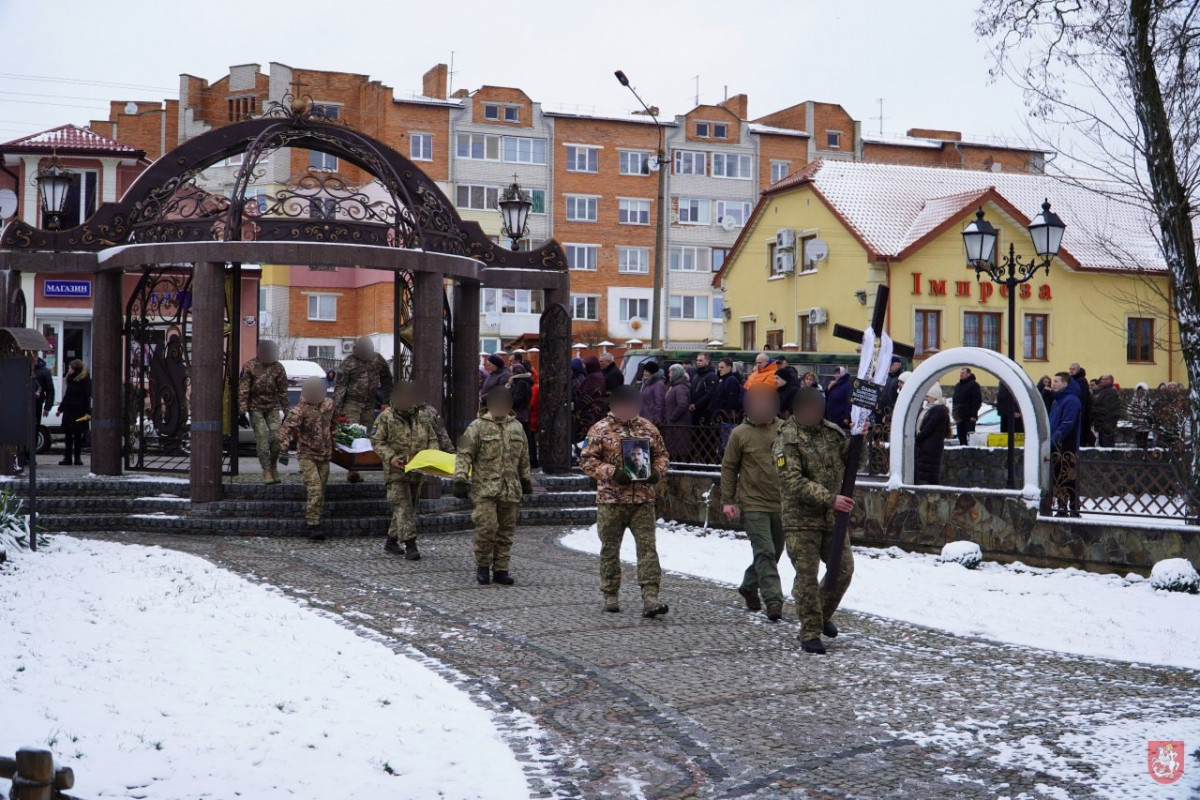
157, 675
1062, 609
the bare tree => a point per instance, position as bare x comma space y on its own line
1120, 81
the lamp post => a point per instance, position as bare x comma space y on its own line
661, 156
515, 206
54, 181
979, 237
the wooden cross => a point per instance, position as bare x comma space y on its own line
841, 519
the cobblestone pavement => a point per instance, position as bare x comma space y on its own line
712, 701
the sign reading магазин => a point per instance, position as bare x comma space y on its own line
82, 289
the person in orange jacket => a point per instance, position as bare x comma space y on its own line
764, 372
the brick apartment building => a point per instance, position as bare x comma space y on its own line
589, 176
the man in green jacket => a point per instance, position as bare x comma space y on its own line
402, 431
810, 456
749, 479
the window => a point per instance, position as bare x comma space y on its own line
513, 301
718, 306
477, 198
321, 351
749, 334
330, 111
808, 335
780, 170
732, 165
695, 211
689, 306
633, 212
538, 198
322, 307
512, 113
480, 146
690, 162
1036, 326
702, 130
774, 339
582, 159
322, 208
981, 329
805, 266
257, 200
81, 199
489, 345
833, 140
719, 254
634, 162
420, 146
521, 150
720, 130
322, 161
582, 208
585, 307
927, 333
630, 308
491, 111
738, 212
582, 256
633, 260
1139, 341
691, 259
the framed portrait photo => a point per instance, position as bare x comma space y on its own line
635, 459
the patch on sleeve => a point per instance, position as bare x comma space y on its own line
780, 459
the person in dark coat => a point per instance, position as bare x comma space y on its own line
968, 399
654, 393
891, 387
1107, 411
677, 431
497, 375
933, 427
703, 379
43, 388
591, 397
837, 401
1009, 411
523, 390
1087, 438
76, 410
1066, 416
727, 393
578, 373
613, 377
787, 384
1046, 392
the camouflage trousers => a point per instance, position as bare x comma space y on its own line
765, 531
612, 520
315, 475
808, 548
404, 495
361, 412
266, 436
495, 521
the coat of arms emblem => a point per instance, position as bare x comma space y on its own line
1165, 761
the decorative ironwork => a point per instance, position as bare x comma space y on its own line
1142, 483
554, 381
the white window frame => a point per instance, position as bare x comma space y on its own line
720, 130
587, 254
319, 351
583, 158
486, 191
699, 211
695, 298
517, 109
484, 139
631, 210
319, 297
775, 166
591, 206
322, 162
689, 162
321, 110
830, 136
680, 255
487, 107
420, 146
702, 130
744, 166
533, 209
517, 141
591, 302
643, 259
743, 211
522, 301
623, 308
643, 162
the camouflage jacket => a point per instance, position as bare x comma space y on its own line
312, 425
810, 462
445, 443
359, 381
603, 457
402, 435
262, 387
494, 454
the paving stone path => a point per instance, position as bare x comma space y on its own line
710, 701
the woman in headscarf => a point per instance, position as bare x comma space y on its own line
497, 375
590, 396
654, 393
787, 383
75, 409
677, 433
933, 426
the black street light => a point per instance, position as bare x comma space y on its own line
979, 237
515, 206
655, 306
54, 182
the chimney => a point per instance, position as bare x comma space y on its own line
738, 105
433, 83
933, 133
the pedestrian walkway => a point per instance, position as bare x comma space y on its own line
710, 701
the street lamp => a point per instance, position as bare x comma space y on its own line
979, 237
54, 181
515, 206
655, 309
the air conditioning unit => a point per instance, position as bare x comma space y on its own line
817, 316
785, 239
785, 262
348, 346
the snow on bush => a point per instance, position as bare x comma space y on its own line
14, 526
1175, 575
966, 553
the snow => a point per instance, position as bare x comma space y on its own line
1176, 575
1067, 610
156, 675
968, 554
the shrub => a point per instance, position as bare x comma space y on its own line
966, 553
1175, 575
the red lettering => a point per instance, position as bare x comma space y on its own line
962, 288
1044, 292
1004, 290
937, 288
1026, 291
985, 291
916, 283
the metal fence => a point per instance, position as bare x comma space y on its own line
1135, 482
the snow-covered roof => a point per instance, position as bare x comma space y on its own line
936, 143
68, 139
756, 127
427, 101
891, 207
641, 119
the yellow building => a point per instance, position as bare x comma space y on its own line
822, 240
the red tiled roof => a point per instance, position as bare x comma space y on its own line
68, 140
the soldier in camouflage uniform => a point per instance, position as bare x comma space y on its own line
494, 455
312, 422
262, 394
401, 432
445, 443
361, 377
810, 455
621, 502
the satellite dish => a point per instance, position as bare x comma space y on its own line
727, 223
816, 250
8, 203
131, 108
652, 163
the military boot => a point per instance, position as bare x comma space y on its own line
316, 533
411, 553
269, 477
753, 601
813, 646
612, 604
653, 607
391, 546
354, 477
483, 575
774, 611
502, 577
829, 629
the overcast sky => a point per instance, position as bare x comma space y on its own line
60, 58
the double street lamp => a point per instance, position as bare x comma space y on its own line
1046, 231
